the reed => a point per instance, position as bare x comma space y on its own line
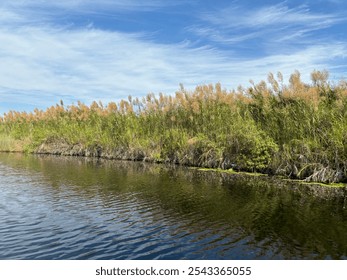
292, 129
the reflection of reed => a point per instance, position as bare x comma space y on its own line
196, 214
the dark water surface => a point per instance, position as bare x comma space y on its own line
77, 208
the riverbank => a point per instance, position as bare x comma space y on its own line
271, 184
320, 190
295, 130
64, 149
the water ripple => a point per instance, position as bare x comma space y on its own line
117, 212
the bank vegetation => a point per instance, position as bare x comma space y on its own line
293, 129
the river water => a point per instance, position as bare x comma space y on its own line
78, 208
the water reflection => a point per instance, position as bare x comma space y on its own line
78, 208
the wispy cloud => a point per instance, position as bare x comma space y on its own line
276, 15
90, 4
37, 12
219, 35
273, 23
94, 64
42, 61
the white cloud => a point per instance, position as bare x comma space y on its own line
276, 15
43, 12
72, 4
43, 63
97, 65
94, 64
220, 36
276, 23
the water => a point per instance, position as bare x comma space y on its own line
77, 208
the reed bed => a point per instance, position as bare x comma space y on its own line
293, 129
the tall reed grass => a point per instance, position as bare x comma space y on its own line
292, 129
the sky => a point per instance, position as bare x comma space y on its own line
86, 50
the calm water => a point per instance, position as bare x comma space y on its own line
70, 208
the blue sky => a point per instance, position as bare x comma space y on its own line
106, 50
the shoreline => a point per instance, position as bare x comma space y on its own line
62, 148
271, 184
65, 149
